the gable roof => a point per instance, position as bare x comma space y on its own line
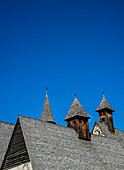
76, 110
118, 135
56, 147
104, 129
104, 105
6, 130
47, 115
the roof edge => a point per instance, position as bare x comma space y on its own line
88, 117
7, 123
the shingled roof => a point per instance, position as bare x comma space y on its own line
56, 147
6, 130
76, 110
104, 105
47, 115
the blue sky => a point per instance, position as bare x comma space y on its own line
66, 46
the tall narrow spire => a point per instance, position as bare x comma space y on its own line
47, 115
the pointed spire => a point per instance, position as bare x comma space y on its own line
76, 110
104, 105
47, 115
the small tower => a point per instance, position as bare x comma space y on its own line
77, 118
105, 114
47, 115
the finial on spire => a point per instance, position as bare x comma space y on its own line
103, 95
46, 91
75, 94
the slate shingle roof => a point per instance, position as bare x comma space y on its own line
104, 105
6, 130
76, 110
118, 135
47, 113
56, 147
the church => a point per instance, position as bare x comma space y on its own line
33, 144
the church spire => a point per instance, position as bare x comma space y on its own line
77, 118
47, 115
105, 113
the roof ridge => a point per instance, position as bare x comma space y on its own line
7, 123
29, 118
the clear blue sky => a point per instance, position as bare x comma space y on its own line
66, 46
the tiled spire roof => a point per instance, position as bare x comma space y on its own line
76, 110
47, 115
104, 105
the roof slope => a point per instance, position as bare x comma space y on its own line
55, 147
6, 130
105, 130
47, 113
104, 105
76, 110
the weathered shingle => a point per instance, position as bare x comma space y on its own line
56, 147
76, 110
6, 130
104, 105
47, 115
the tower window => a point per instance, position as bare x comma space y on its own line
103, 119
110, 120
68, 124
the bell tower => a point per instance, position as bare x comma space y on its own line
105, 114
77, 118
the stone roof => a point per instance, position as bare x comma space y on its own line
56, 147
76, 110
47, 115
104, 105
6, 130
118, 135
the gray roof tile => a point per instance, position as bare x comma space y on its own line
6, 130
104, 105
56, 147
76, 110
47, 113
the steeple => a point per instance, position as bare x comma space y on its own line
104, 105
105, 113
77, 118
47, 115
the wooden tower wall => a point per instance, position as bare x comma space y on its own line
81, 126
106, 116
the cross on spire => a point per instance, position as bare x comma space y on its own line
75, 94
103, 95
46, 91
